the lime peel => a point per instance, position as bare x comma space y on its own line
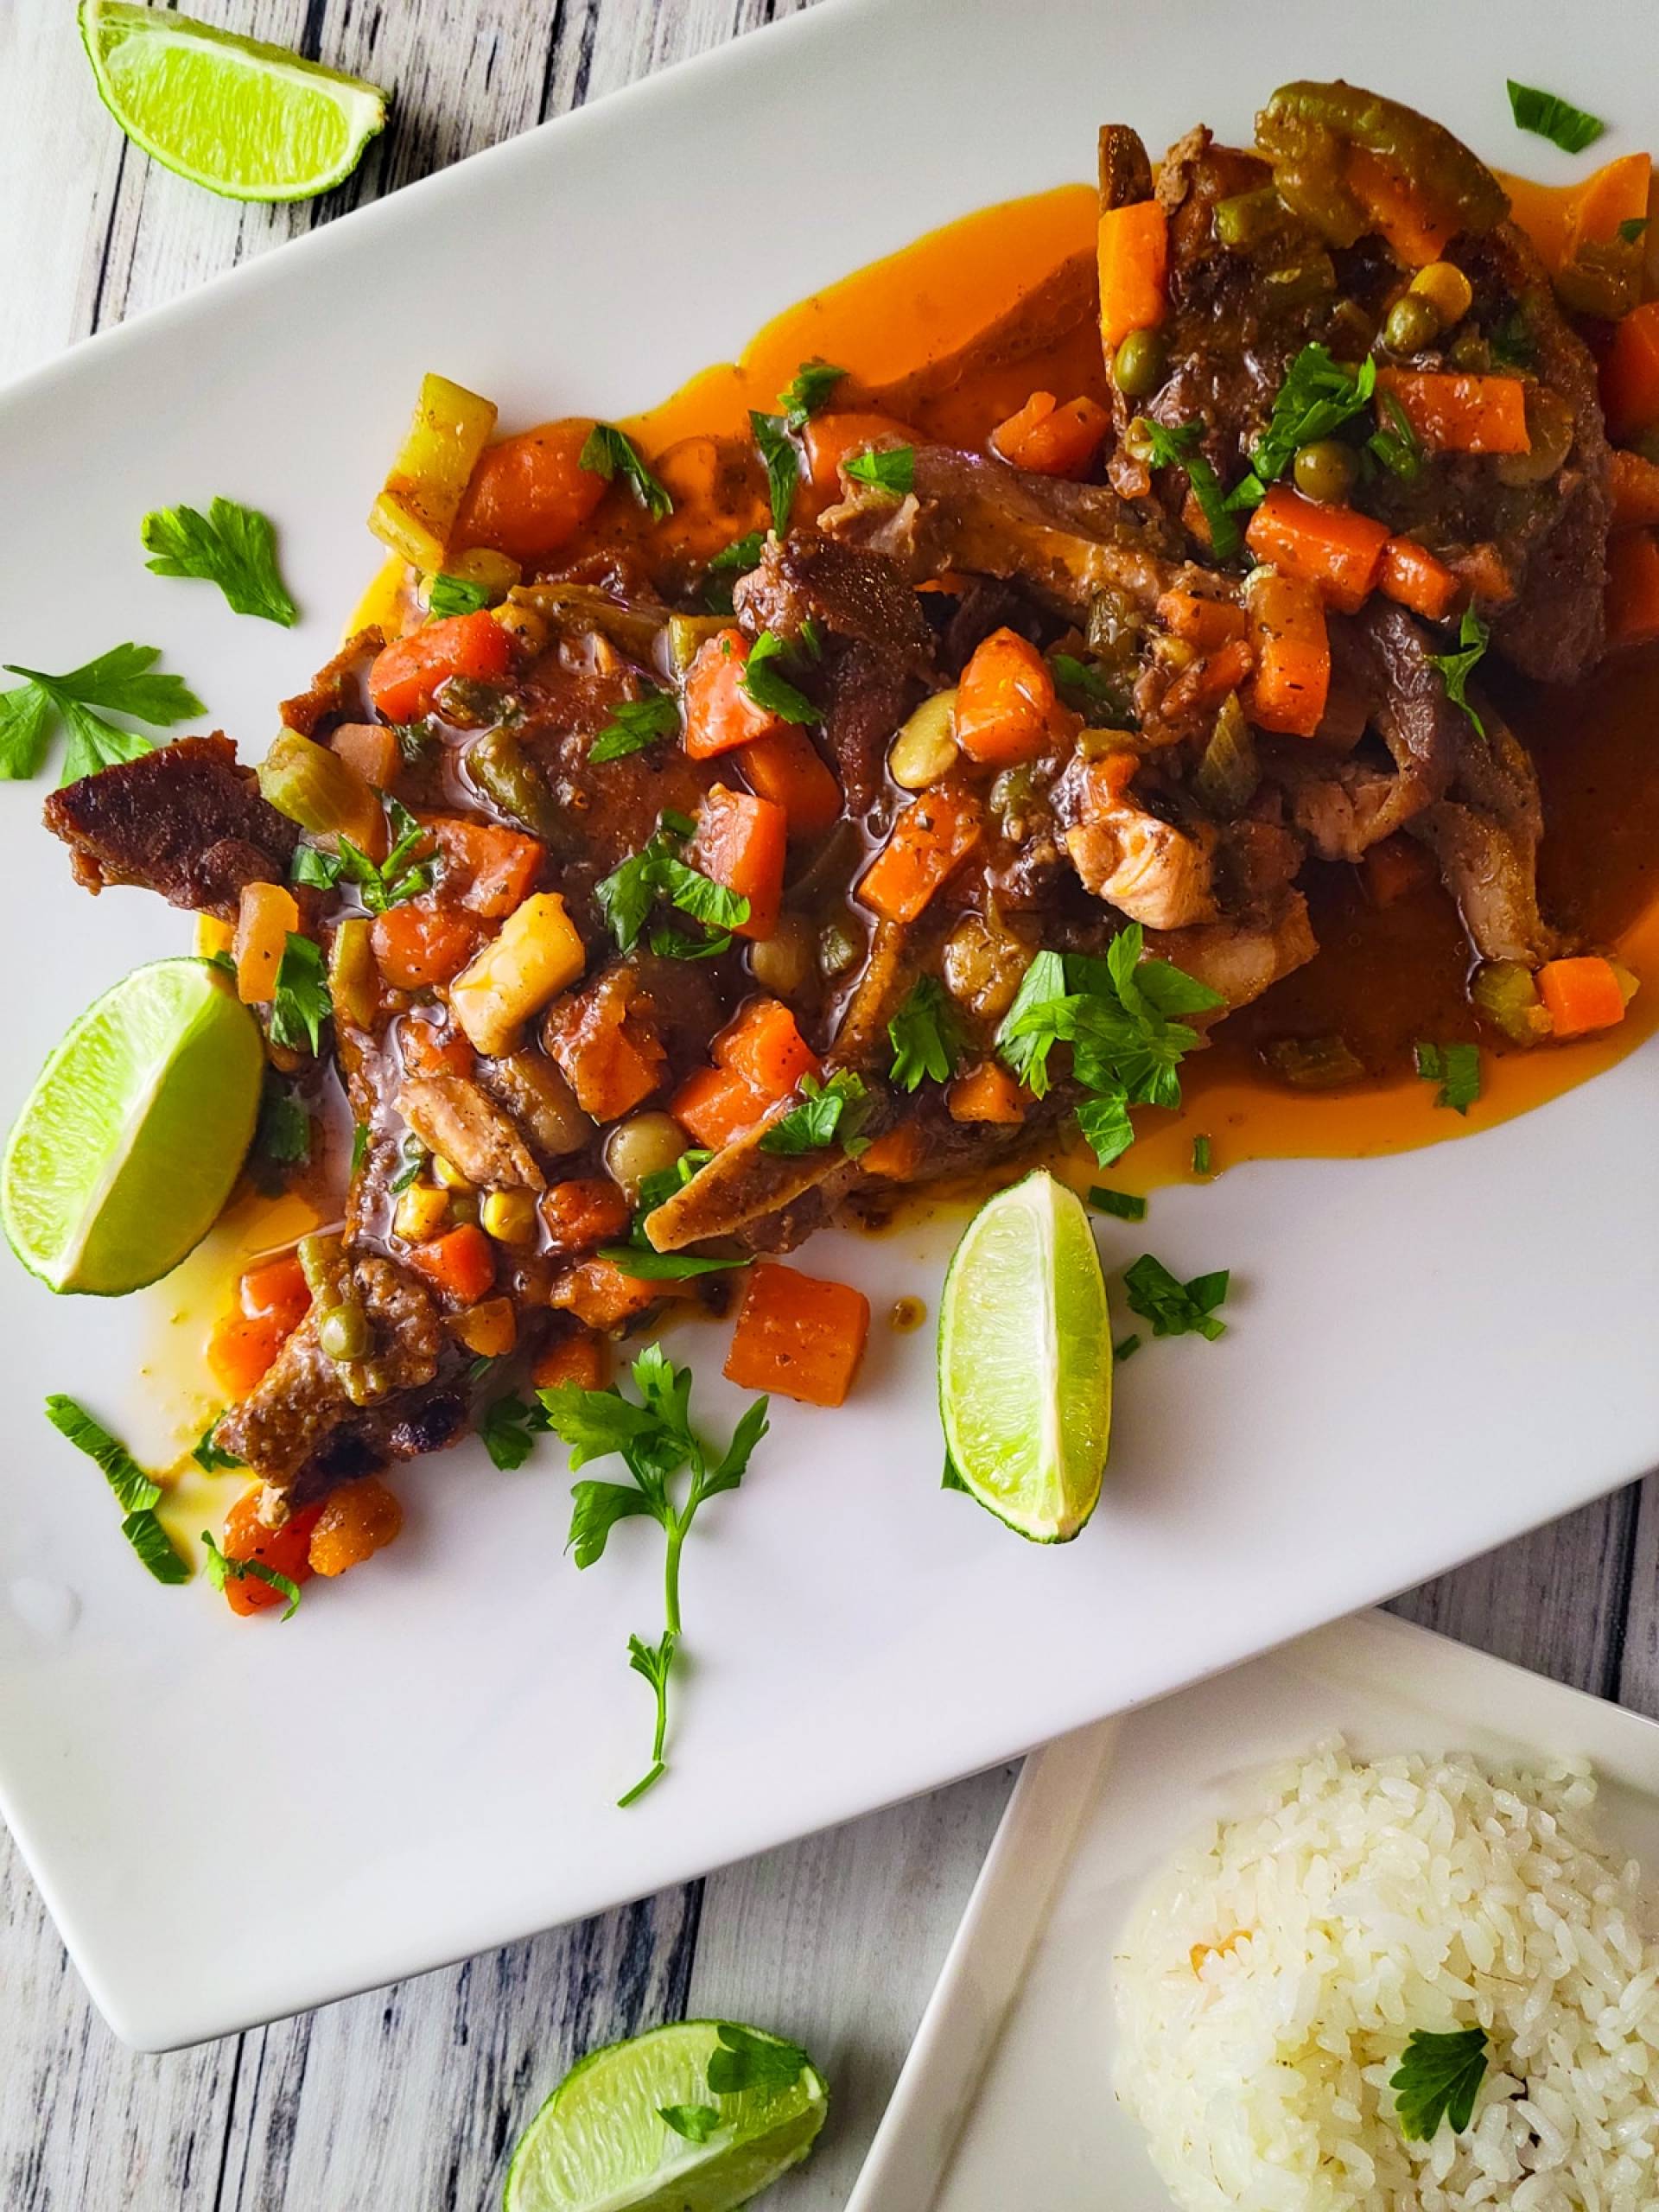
244, 119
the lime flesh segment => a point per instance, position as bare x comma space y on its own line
599, 2144
1026, 1360
251, 121
128, 1146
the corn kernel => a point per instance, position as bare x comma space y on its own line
419, 1213
509, 1217
448, 1174
1447, 290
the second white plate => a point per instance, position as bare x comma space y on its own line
1005, 2099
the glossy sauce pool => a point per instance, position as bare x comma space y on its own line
919, 320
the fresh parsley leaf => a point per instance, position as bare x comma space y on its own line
134, 1491
747, 2061
1455, 1068
1203, 1160
635, 724
154, 1548
655, 1189
734, 560
674, 945
889, 468
232, 546
1121, 1204
509, 1428
360, 1147
1317, 395
1126, 1347
405, 873
626, 896
1106, 1126
411, 1155
608, 451
209, 1456
300, 1004
1176, 1308
223, 1568
1546, 114
1632, 228
647, 1266
1438, 2079
1086, 691
695, 2122
782, 464
1176, 445
829, 1113
768, 688
283, 1134
655, 1440
927, 1039
447, 595
1397, 447
806, 393
315, 865
119, 682
1457, 668
1512, 342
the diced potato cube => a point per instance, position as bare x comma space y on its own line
420, 498
538, 954
420, 1213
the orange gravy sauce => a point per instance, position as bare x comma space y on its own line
1381, 977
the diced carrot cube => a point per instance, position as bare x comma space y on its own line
798, 1335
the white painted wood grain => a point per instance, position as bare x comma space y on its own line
407, 2100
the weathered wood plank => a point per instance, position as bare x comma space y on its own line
837, 1942
1638, 1669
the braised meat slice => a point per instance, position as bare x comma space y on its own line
184, 820
859, 595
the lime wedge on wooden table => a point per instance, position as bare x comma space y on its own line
1026, 1360
128, 1146
252, 121
599, 2143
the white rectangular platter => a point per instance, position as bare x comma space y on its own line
1006, 2098
1428, 1353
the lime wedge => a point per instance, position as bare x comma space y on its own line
129, 1143
599, 2143
252, 121
1026, 1360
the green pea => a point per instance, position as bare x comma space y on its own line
1326, 471
1413, 323
1140, 364
343, 1331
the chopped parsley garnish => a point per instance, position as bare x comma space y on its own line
927, 1037
1397, 447
695, 2122
411, 1157
889, 468
359, 1145
1546, 114
769, 688
1455, 1068
734, 560
635, 724
1176, 1308
1165, 445
747, 2061
300, 1004
1512, 342
829, 1113
1317, 395
638, 1257
232, 546
209, 1456
1120, 1017
626, 896
1632, 228
1126, 1347
222, 1568
401, 875
1203, 1160
1438, 2079
1086, 690
134, 1493
783, 465
315, 865
807, 390
447, 595
655, 1440
1123, 1206
282, 1136
609, 452
119, 682
509, 1428
1457, 668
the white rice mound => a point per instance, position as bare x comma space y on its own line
1273, 1973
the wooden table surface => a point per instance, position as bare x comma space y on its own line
409, 2100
